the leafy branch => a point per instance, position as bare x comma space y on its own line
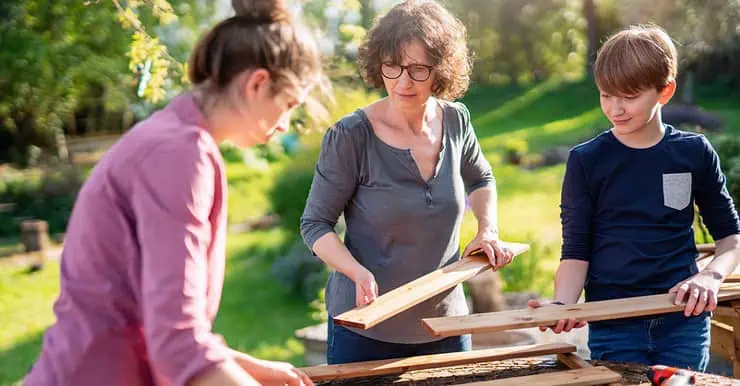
148, 57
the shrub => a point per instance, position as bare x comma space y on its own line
728, 149
525, 273
515, 149
300, 272
47, 194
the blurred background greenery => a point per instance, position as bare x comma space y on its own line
77, 74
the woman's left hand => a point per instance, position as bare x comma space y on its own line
699, 292
487, 240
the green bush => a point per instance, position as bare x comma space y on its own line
515, 149
47, 194
294, 182
728, 149
231, 153
524, 274
300, 272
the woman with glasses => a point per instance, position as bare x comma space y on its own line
400, 170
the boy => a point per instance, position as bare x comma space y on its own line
627, 212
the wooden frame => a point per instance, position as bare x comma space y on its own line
397, 366
408, 295
548, 316
725, 334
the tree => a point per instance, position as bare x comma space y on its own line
65, 58
51, 52
589, 13
523, 41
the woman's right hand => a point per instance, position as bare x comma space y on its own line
563, 325
366, 289
269, 373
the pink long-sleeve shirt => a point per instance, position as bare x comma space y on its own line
143, 261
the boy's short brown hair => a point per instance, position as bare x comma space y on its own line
636, 59
443, 36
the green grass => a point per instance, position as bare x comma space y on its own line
727, 109
546, 115
26, 308
10, 245
257, 315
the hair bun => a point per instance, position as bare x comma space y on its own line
261, 11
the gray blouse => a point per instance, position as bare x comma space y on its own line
399, 226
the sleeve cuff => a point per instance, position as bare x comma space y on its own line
481, 184
214, 352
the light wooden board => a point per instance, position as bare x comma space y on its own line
408, 295
573, 361
705, 248
599, 375
396, 366
723, 340
549, 316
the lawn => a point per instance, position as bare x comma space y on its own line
259, 317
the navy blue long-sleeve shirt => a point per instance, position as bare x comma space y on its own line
629, 212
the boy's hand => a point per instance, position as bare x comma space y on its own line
488, 242
563, 325
699, 292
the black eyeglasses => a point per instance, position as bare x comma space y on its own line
417, 72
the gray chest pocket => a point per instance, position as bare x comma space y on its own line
676, 190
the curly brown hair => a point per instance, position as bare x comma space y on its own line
443, 36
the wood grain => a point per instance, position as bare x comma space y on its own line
394, 366
549, 316
723, 340
580, 377
705, 248
574, 361
408, 295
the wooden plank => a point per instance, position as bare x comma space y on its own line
549, 316
573, 361
726, 312
705, 248
736, 333
408, 295
397, 366
723, 340
579, 377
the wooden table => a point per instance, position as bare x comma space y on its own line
457, 375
